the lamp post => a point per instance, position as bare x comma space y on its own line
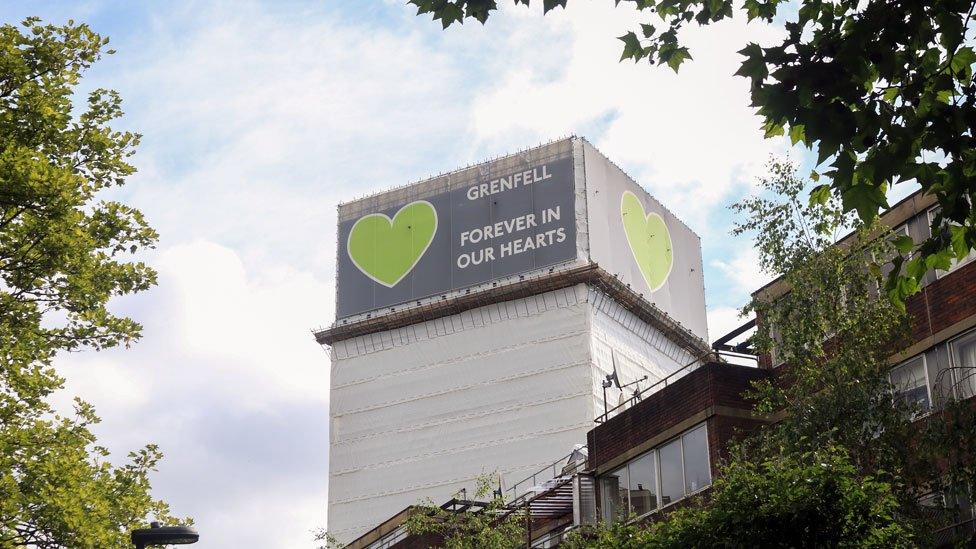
164, 535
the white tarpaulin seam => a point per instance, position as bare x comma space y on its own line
464, 358
389, 339
466, 478
465, 417
463, 388
459, 449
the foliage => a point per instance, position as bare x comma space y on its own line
830, 327
826, 321
492, 527
812, 500
326, 540
62, 257
882, 89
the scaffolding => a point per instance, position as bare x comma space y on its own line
526, 285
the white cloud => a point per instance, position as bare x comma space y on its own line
722, 320
744, 271
231, 385
690, 138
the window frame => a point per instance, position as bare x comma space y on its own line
708, 459
928, 383
951, 345
625, 503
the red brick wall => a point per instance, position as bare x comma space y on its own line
944, 302
939, 305
722, 430
713, 384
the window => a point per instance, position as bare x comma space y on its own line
947, 509
643, 484
955, 263
963, 360
613, 488
698, 474
910, 383
672, 477
657, 478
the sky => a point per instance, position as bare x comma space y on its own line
259, 117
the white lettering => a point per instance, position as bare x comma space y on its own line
508, 183
549, 214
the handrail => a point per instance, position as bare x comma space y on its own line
534, 476
967, 526
639, 393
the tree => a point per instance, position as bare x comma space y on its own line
883, 90
63, 256
493, 526
836, 335
814, 500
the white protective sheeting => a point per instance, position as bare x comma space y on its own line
422, 411
618, 338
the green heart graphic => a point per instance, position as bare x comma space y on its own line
649, 240
385, 249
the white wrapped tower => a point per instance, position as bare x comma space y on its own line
478, 313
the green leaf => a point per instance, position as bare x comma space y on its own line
797, 133
959, 243
963, 59
866, 199
820, 194
677, 57
772, 129
904, 244
754, 66
632, 47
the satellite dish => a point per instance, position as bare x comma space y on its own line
614, 377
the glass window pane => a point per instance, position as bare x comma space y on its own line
909, 383
643, 484
672, 479
964, 360
697, 473
614, 491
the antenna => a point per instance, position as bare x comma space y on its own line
614, 379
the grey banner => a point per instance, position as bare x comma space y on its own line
498, 225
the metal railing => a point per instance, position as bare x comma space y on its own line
964, 530
553, 539
671, 378
959, 377
543, 475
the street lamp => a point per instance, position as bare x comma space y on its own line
164, 535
